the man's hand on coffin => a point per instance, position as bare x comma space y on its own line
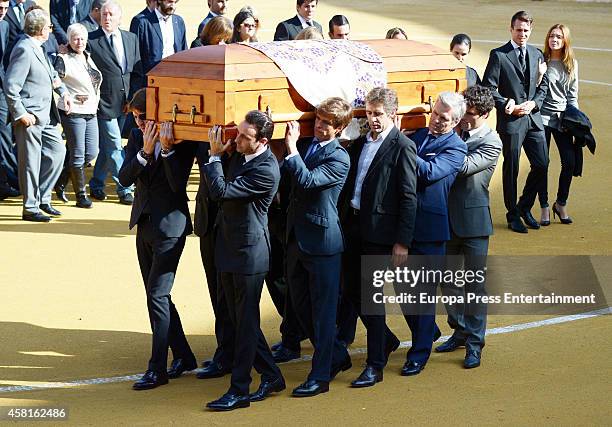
217, 147
166, 136
150, 137
291, 137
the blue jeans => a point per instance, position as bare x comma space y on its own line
82, 138
110, 157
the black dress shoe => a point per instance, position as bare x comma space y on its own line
310, 388
472, 359
126, 199
267, 387
517, 226
530, 221
7, 191
36, 217
206, 363
60, 192
412, 368
214, 370
451, 344
276, 346
48, 209
368, 377
151, 379
97, 194
283, 354
179, 366
229, 402
344, 366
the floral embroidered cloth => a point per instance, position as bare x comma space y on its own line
319, 69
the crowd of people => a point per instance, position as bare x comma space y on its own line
297, 214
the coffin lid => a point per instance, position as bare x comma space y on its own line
239, 62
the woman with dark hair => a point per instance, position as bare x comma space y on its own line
562, 73
82, 79
245, 27
159, 166
460, 47
217, 31
396, 33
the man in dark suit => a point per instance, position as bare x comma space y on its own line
289, 29
66, 12
245, 191
471, 225
9, 181
150, 8
318, 168
206, 211
117, 56
440, 156
160, 34
160, 169
512, 72
217, 7
378, 205
92, 20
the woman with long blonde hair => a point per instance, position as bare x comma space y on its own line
562, 73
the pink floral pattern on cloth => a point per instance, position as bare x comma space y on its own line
319, 69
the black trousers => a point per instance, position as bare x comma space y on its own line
567, 154
242, 294
158, 257
224, 330
314, 288
379, 336
533, 141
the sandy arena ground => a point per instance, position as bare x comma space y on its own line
73, 304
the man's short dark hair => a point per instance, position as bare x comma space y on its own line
97, 4
461, 39
479, 98
521, 15
262, 122
384, 96
301, 2
338, 21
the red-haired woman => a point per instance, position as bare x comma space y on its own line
562, 75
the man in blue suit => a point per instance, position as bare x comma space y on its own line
440, 156
318, 168
66, 12
217, 7
160, 34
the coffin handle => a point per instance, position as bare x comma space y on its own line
192, 114
174, 112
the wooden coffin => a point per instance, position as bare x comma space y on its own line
201, 87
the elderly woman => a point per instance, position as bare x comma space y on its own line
246, 25
82, 79
217, 31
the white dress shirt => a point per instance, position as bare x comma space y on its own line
304, 22
167, 30
118, 46
370, 148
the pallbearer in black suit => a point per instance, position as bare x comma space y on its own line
318, 168
512, 72
289, 29
242, 253
378, 206
160, 169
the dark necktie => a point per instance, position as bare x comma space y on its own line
309, 23
465, 135
314, 146
21, 15
522, 59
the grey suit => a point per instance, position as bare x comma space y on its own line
29, 89
471, 226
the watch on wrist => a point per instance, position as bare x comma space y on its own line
145, 156
166, 151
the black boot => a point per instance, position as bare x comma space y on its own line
78, 182
60, 185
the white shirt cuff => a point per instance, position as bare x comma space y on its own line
171, 152
291, 155
212, 159
141, 159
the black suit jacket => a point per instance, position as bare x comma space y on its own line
244, 193
289, 29
60, 16
115, 89
15, 30
388, 195
503, 74
161, 186
206, 209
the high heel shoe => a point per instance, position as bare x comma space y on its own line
566, 220
545, 222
